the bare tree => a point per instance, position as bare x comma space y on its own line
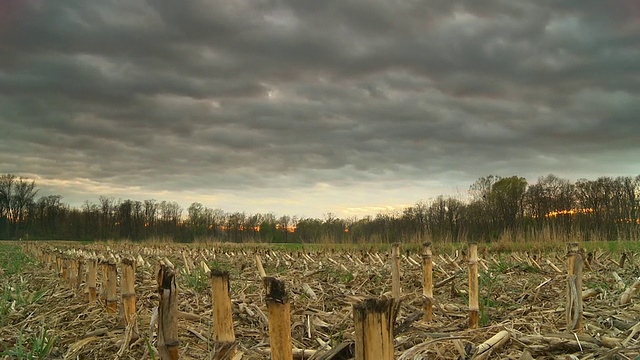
6, 191
16, 198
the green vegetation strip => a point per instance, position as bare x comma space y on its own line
12, 259
15, 295
14, 291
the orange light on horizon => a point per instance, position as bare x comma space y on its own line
240, 227
585, 211
628, 220
568, 212
290, 228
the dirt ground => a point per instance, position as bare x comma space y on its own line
520, 293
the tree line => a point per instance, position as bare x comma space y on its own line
495, 208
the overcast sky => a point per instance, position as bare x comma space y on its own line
304, 107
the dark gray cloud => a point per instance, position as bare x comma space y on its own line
307, 106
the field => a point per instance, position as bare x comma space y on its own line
44, 312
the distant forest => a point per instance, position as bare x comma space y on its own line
496, 208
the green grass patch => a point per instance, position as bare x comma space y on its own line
14, 290
220, 265
12, 259
197, 280
614, 246
34, 346
272, 268
335, 275
598, 283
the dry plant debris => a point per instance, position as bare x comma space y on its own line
522, 304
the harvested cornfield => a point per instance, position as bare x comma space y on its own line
526, 306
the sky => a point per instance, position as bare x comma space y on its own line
306, 107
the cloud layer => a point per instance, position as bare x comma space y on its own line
306, 107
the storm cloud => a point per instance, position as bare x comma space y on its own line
306, 107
